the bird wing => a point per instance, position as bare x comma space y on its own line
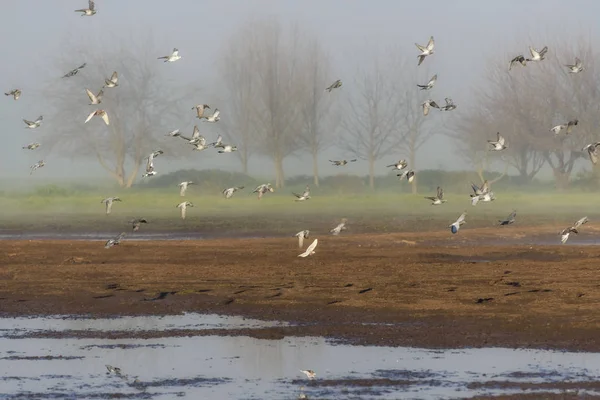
310, 248
104, 116
580, 222
216, 113
432, 198
440, 193
577, 62
430, 44
593, 154
297, 195
534, 54
300, 239
89, 117
182, 189
108, 206
543, 52
461, 219
175, 52
422, 48
196, 133
501, 139
421, 58
425, 108
114, 77
183, 210
91, 5
92, 96
485, 187
432, 80
512, 216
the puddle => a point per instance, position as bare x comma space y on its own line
238, 367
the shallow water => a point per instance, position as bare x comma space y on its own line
224, 367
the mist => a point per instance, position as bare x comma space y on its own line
42, 36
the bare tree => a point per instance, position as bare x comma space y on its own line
319, 121
373, 120
139, 108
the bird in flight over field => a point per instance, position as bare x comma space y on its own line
341, 163
310, 250
456, 225
262, 189
110, 243
37, 165
592, 151
172, 58
438, 198
301, 236
335, 85
100, 113
135, 223
150, 164
498, 145
34, 124
568, 126
32, 146
109, 203
183, 187
228, 193
339, 228
88, 12
564, 234
228, 149
449, 105
429, 84
537, 55
510, 219
309, 373
518, 59
74, 71
215, 117
303, 196
112, 81
400, 165
15, 93
575, 68
95, 98
409, 175
183, 206
200, 110
425, 50
427, 106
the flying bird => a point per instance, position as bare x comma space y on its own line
518, 59
510, 219
301, 236
228, 193
110, 368
34, 124
150, 164
135, 223
427, 106
449, 105
409, 175
215, 117
172, 58
575, 68
183, 187
228, 149
112, 81
485, 188
88, 12
15, 93
429, 84
100, 113
568, 127
183, 206
592, 151
438, 198
32, 146
218, 143
262, 189
303, 196
173, 133
564, 234
487, 197
335, 85
341, 163
110, 243
499, 144
95, 98
537, 55
425, 50
109, 203
456, 225
400, 165
339, 228
309, 373
74, 71
37, 165
310, 250
200, 110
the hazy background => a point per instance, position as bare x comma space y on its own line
467, 34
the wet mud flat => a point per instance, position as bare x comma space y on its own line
432, 290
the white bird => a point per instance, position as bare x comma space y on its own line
218, 143
303, 196
568, 126
110, 243
37, 165
438, 198
183, 206
183, 187
112, 81
301, 236
88, 12
592, 151
427, 106
34, 124
449, 105
537, 55
310, 250
109, 203
456, 225
425, 50
32, 146
173, 133
262, 189
400, 165
485, 187
150, 164
15, 93
575, 68
429, 84
340, 227
409, 175
196, 139
498, 145
95, 98
200, 110
228, 193
228, 149
486, 197
172, 58
309, 373
100, 113
215, 117
564, 234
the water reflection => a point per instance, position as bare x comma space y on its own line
242, 367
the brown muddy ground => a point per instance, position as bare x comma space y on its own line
430, 289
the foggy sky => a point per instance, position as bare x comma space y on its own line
467, 34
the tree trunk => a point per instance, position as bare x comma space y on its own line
279, 175
133, 175
315, 168
561, 179
244, 161
372, 172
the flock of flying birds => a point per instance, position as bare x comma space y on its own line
199, 143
